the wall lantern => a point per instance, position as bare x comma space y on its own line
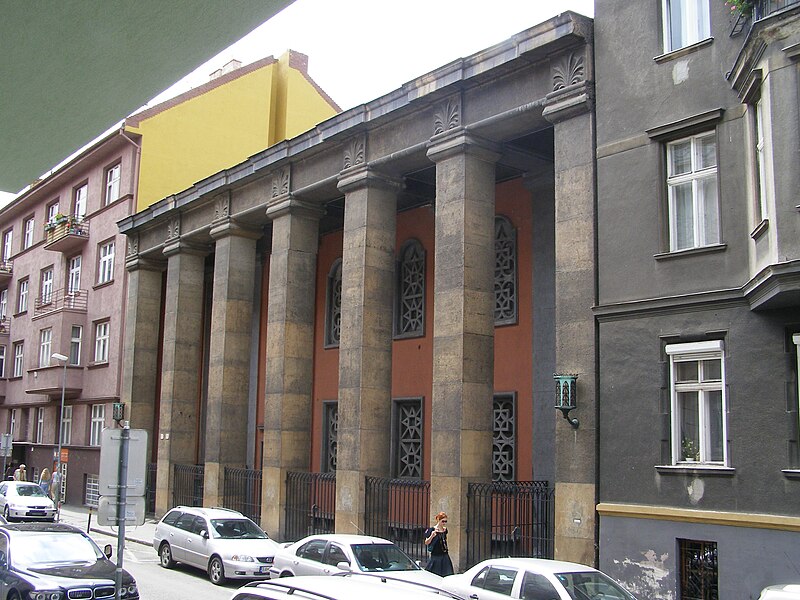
567, 395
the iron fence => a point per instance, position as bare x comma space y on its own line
761, 9
398, 510
242, 492
187, 486
150, 489
509, 518
310, 504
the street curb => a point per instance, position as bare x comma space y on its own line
127, 539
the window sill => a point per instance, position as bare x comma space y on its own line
673, 54
760, 229
98, 286
697, 468
97, 365
791, 473
691, 251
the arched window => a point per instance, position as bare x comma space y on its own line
505, 272
410, 301
333, 310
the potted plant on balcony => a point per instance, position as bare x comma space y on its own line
742, 7
57, 219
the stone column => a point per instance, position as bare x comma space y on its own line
229, 355
570, 110
290, 352
140, 344
463, 326
180, 372
365, 347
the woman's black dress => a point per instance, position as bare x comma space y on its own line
438, 558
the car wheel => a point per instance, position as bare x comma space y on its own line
216, 572
286, 574
12, 595
165, 556
6, 513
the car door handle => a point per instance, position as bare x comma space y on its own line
295, 562
474, 596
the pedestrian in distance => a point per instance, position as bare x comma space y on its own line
55, 487
21, 474
436, 541
45, 479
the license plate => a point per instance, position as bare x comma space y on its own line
263, 570
36, 513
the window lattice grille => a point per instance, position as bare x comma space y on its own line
411, 309
409, 439
503, 439
92, 495
331, 436
698, 570
505, 272
333, 321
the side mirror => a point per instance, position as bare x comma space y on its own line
108, 550
204, 534
343, 565
3, 560
418, 563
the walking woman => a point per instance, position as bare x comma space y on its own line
44, 481
436, 541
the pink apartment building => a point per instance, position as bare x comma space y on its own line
62, 291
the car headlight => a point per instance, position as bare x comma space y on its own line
14, 506
128, 591
46, 595
243, 558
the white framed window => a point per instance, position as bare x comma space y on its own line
2, 361
19, 352
760, 152
52, 211
12, 423
74, 274
28, 229
39, 425
3, 303
75, 345
98, 422
22, 296
45, 346
66, 426
8, 237
692, 192
101, 334
686, 22
112, 184
698, 405
105, 270
79, 201
46, 287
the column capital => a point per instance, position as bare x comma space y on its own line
134, 262
230, 227
362, 175
285, 204
178, 246
459, 141
568, 102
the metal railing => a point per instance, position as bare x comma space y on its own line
510, 518
242, 492
150, 489
761, 10
398, 510
65, 298
310, 504
187, 486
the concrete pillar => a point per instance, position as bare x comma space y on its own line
180, 372
572, 114
463, 326
229, 355
290, 352
365, 347
140, 344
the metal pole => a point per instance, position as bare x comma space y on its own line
122, 500
60, 434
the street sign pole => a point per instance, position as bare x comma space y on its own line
122, 500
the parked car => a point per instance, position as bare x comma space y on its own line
787, 591
333, 553
222, 542
56, 561
25, 501
340, 588
534, 578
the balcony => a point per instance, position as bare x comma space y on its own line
47, 381
5, 327
6, 271
65, 234
61, 300
756, 10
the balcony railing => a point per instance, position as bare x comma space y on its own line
6, 271
5, 326
64, 299
65, 234
761, 9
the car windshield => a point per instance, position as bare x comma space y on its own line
382, 557
38, 550
29, 490
587, 585
229, 529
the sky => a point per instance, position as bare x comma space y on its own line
360, 50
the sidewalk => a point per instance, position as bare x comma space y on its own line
86, 519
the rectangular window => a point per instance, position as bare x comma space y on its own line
3, 303
7, 240
686, 22
28, 229
697, 389
698, 569
19, 350
98, 422
112, 184
760, 161
692, 192
22, 296
75, 345
45, 346
504, 438
92, 494
12, 425
105, 270
79, 201
331, 436
66, 426
2, 361
74, 274
46, 286
407, 438
101, 342
52, 211
39, 425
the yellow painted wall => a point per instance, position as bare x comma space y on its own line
212, 131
